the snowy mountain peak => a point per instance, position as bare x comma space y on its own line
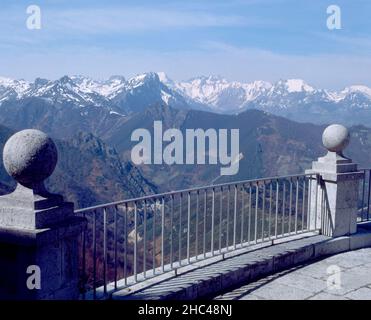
257, 86
163, 77
66, 79
256, 89
220, 94
15, 84
348, 92
40, 82
212, 79
358, 89
295, 85
145, 77
116, 78
6, 82
12, 89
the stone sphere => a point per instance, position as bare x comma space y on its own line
335, 138
30, 156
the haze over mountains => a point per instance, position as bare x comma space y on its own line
293, 98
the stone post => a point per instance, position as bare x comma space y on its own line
336, 192
38, 230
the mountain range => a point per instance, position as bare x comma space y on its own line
96, 163
117, 96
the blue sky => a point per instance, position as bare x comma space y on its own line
241, 40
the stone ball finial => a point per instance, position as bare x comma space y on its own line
335, 138
30, 156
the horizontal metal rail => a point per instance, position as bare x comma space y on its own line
115, 203
364, 196
132, 240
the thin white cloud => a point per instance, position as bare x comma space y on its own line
350, 43
134, 19
90, 23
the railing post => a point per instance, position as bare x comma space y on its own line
38, 230
334, 188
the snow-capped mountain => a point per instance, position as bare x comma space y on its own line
145, 90
224, 96
115, 94
65, 90
219, 94
292, 98
12, 89
108, 88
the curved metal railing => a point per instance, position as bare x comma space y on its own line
132, 240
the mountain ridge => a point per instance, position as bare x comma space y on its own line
291, 98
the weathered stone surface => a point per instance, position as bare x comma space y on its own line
326, 296
312, 281
359, 294
335, 137
360, 240
302, 281
331, 246
36, 227
282, 292
30, 156
334, 196
53, 250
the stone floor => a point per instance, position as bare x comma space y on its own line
343, 276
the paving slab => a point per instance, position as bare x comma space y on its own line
351, 281
359, 294
279, 291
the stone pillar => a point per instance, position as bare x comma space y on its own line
336, 190
38, 230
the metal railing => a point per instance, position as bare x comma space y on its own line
132, 240
365, 193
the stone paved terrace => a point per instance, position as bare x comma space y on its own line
274, 265
311, 281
